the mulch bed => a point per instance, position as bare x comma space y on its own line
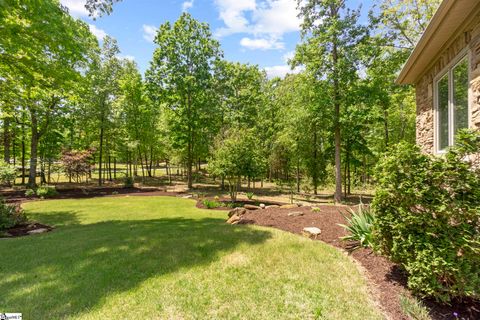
19, 196
24, 230
389, 279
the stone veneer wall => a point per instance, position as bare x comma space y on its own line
425, 108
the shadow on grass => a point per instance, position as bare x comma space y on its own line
73, 269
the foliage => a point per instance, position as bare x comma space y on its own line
46, 191
128, 182
428, 218
234, 158
10, 215
77, 164
211, 204
250, 195
359, 226
7, 173
316, 209
413, 308
30, 193
181, 78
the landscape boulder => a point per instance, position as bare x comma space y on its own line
38, 231
251, 207
262, 206
311, 232
272, 206
296, 214
234, 219
237, 211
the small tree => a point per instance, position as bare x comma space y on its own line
77, 164
235, 156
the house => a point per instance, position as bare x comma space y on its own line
445, 70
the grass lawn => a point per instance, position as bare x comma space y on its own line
162, 258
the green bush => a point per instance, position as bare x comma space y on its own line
250, 195
128, 182
30, 193
211, 204
46, 191
359, 227
428, 217
7, 173
10, 215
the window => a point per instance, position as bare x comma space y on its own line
451, 104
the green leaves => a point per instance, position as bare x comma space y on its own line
428, 218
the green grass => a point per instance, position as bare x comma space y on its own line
162, 258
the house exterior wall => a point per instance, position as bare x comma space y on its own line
469, 38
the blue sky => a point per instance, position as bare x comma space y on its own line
262, 32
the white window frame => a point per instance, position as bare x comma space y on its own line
448, 70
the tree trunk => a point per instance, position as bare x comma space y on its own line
6, 140
32, 175
100, 156
336, 99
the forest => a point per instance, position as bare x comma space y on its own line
73, 111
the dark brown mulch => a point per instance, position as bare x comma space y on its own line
389, 280
23, 230
19, 196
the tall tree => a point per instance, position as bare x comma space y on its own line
104, 86
181, 77
44, 61
331, 38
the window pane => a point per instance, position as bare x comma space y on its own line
460, 95
443, 113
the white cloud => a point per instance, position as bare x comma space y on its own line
261, 44
280, 71
187, 5
99, 33
75, 7
276, 17
233, 15
149, 32
266, 20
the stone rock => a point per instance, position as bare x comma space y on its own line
296, 214
272, 206
311, 232
238, 211
262, 206
251, 207
38, 231
188, 196
234, 219
289, 206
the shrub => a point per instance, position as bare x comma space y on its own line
30, 193
46, 191
359, 226
428, 218
211, 204
316, 209
10, 215
250, 195
7, 173
128, 182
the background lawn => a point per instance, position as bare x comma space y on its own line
160, 257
